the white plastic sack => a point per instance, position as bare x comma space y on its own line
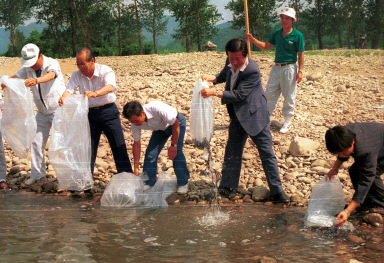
123, 190
126, 189
70, 145
18, 124
201, 117
327, 200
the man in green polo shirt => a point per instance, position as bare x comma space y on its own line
285, 74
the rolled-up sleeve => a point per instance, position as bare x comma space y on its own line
136, 132
21, 73
73, 82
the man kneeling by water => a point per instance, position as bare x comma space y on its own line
365, 143
165, 122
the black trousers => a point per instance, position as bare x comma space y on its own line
107, 119
375, 196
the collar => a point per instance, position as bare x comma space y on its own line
243, 67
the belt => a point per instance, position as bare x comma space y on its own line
284, 64
102, 107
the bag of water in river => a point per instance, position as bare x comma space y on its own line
126, 189
18, 124
201, 117
327, 200
70, 145
123, 190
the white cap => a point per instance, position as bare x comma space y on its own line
288, 11
30, 53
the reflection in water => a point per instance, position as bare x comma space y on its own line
38, 228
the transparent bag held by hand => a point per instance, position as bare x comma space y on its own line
201, 117
156, 196
70, 145
18, 125
327, 200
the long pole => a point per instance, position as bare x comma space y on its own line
247, 25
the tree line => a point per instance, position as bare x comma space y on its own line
115, 27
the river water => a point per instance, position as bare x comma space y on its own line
57, 228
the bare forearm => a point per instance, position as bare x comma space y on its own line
136, 154
175, 132
45, 78
104, 90
300, 56
260, 44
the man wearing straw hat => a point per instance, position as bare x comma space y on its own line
43, 75
285, 74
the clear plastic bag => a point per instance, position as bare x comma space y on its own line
18, 124
70, 145
201, 117
327, 200
126, 189
157, 194
123, 190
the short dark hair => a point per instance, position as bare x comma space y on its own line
88, 53
338, 139
132, 108
235, 45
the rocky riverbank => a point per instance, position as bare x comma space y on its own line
336, 89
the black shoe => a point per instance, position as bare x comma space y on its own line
280, 198
226, 192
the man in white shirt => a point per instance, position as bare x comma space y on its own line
165, 122
98, 83
43, 75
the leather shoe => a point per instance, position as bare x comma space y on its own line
3, 186
226, 192
280, 198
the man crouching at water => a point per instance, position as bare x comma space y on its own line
165, 122
247, 108
365, 143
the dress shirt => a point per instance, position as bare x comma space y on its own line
102, 76
159, 117
235, 75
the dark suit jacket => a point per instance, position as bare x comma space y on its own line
368, 154
247, 98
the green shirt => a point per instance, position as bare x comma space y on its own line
288, 46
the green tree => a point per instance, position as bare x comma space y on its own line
375, 21
12, 14
153, 18
260, 15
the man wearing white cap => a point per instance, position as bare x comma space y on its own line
43, 75
285, 74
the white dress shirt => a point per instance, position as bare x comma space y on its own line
235, 75
102, 76
159, 117
51, 91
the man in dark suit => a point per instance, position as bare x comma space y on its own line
365, 143
247, 108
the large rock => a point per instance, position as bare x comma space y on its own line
303, 146
260, 193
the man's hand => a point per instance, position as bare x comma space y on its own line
332, 173
30, 82
90, 94
342, 217
248, 36
209, 78
3, 86
299, 77
136, 171
172, 152
205, 93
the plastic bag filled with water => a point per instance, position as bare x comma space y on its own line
70, 145
18, 124
201, 117
123, 190
327, 200
126, 189
157, 194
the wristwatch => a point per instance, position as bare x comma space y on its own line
217, 93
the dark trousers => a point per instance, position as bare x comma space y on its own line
233, 156
156, 144
375, 196
107, 119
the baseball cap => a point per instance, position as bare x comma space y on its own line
30, 54
288, 11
